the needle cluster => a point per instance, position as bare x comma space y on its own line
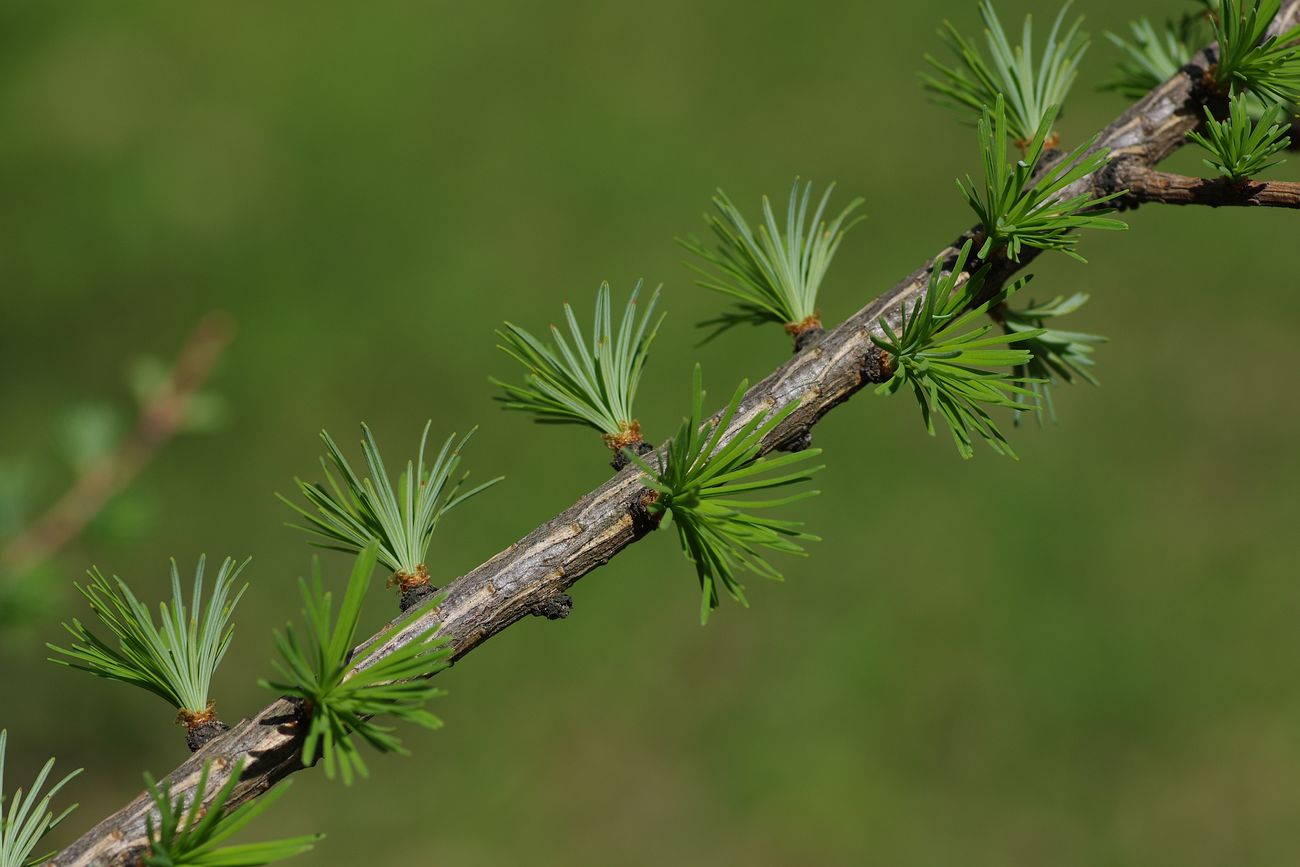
344, 691
698, 483
953, 366
176, 660
1032, 90
1018, 209
588, 381
349, 512
24, 820
1240, 147
773, 272
1249, 58
189, 834
1056, 355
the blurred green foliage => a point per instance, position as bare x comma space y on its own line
1096, 665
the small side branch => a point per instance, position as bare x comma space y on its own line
1147, 185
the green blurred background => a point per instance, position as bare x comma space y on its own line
1096, 665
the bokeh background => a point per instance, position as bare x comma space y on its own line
1092, 660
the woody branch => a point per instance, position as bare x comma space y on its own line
529, 577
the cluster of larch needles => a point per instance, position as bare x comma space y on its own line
956, 335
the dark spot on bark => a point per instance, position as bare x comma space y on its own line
801, 441
875, 367
415, 596
199, 736
620, 460
807, 338
1110, 178
555, 608
643, 520
1205, 91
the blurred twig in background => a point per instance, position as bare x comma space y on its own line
164, 412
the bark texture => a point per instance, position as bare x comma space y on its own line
532, 575
1146, 185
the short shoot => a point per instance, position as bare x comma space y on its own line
176, 660
697, 483
773, 273
343, 694
348, 515
25, 820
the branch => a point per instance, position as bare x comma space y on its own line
535, 572
160, 420
1147, 185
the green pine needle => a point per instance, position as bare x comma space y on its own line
348, 516
1239, 147
1268, 66
1153, 56
697, 483
1055, 355
1031, 92
953, 365
175, 661
343, 692
1015, 210
29, 818
190, 834
774, 274
590, 383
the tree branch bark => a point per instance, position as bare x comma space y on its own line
1146, 185
535, 571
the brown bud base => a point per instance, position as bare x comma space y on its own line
1051, 143
629, 434
405, 581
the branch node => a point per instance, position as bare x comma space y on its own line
1205, 90
405, 581
640, 446
1113, 177
199, 737
556, 607
806, 333
877, 365
801, 441
643, 520
415, 595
